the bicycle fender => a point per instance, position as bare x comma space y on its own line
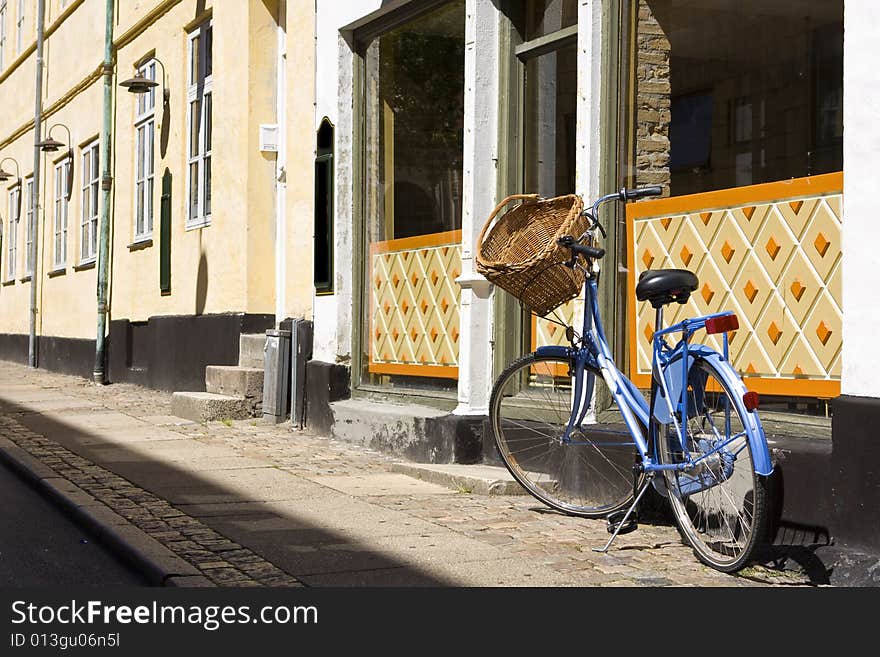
754, 431
553, 351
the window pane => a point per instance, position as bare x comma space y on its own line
536, 18
140, 154
208, 121
721, 105
148, 204
550, 122
207, 185
194, 191
150, 153
139, 213
194, 60
209, 46
195, 128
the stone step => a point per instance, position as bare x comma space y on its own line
206, 406
420, 434
234, 380
477, 479
251, 347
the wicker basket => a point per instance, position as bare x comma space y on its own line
520, 253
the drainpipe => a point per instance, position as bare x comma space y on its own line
38, 116
106, 187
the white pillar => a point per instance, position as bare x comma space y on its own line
861, 227
481, 99
589, 98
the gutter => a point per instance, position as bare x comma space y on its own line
106, 187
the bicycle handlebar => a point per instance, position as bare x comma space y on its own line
587, 251
640, 192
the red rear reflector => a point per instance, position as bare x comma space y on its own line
722, 324
751, 400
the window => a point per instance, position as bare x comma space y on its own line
89, 225
29, 228
731, 109
62, 193
548, 53
145, 124
12, 237
413, 132
2, 33
199, 98
20, 24
324, 209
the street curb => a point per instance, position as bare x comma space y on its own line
476, 479
157, 563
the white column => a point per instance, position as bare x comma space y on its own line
589, 97
481, 99
861, 227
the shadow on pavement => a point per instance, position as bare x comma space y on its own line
283, 520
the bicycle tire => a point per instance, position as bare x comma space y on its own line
529, 411
725, 521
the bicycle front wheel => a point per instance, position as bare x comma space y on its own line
591, 475
719, 505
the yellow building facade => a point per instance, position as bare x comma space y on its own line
203, 219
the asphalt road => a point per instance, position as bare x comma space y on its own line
40, 546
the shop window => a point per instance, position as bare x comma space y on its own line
413, 139
737, 112
729, 96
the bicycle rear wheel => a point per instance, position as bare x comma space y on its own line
529, 411
719, 506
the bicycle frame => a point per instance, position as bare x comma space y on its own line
672, 366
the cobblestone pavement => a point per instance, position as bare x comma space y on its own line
529, 544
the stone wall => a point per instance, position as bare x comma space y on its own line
653, 100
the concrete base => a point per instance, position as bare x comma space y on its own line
205, 406
855, 473
325, 383
416, 433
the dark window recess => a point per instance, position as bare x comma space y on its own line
165, 235
324, 209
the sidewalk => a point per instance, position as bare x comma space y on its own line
244, 503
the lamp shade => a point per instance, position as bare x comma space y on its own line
138, 84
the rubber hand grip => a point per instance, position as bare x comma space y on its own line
642, 192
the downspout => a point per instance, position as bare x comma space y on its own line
106, 187
38, 117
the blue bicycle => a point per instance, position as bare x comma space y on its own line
579, 436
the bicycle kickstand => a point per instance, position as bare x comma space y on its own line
629, 512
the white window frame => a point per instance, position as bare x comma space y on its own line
14, 201
145, 156
30, 217
19, 21
62, 212
200, 78
91, 201
2, 34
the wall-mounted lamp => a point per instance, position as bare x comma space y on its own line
5, 175
49, 145
140, 84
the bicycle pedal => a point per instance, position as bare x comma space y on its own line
614, 522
